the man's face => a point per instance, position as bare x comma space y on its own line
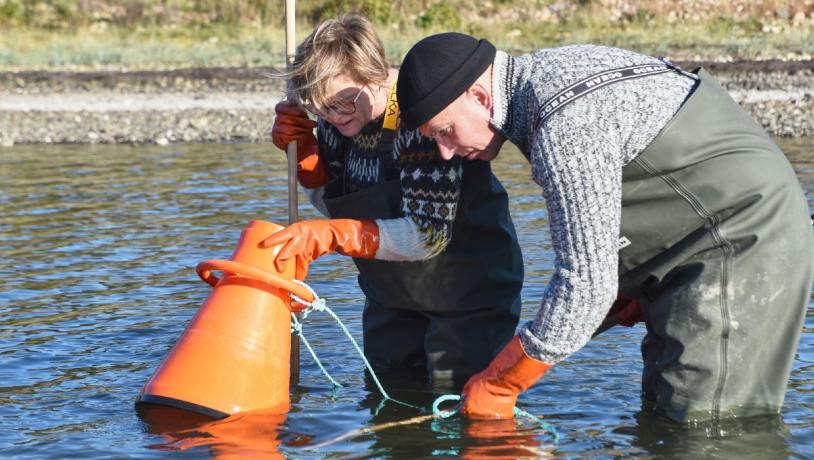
463, 129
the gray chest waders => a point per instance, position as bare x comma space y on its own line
720, 258
455, 311
716, 244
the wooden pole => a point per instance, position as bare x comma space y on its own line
291, 152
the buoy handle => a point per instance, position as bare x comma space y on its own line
206, 268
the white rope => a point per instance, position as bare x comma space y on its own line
318, 304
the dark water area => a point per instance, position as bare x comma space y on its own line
98, 246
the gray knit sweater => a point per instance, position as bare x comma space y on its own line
577, 157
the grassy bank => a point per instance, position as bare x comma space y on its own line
88, 34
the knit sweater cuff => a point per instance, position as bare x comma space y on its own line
536, 348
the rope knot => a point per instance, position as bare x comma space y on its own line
445, 413
318, 304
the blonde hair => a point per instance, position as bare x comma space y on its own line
345, 45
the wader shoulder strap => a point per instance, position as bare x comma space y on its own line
602, 79
390, 124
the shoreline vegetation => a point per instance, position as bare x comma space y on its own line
163, 71
166, 34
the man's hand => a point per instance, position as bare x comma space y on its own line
493, 393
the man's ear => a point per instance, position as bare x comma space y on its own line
481, 95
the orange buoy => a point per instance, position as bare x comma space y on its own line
235, 354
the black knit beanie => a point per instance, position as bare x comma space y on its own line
437, 70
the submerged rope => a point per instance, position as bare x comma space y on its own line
371, 429
437, 412
318, 304
518, 412
296, 328
445, 413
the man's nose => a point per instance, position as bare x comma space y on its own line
445, 150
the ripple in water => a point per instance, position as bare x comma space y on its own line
97, 257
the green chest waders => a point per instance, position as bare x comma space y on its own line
453, 312
719, 254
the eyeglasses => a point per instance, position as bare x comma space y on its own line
343, 106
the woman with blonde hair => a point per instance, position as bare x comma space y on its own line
436, 249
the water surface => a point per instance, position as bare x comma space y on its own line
98, 246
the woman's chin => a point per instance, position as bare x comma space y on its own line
348, 129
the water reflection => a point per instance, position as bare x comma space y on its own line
98, 246
747, 438
254, 433
401, 431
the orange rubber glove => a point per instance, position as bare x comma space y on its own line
310, 239
293, 124
493, 392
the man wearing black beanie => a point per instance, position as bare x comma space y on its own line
659, 188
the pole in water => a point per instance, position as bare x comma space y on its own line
291, 153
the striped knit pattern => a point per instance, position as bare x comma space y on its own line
430, 186
577, 157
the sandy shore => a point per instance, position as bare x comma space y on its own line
224, 105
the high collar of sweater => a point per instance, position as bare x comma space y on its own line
508, 98
503, 94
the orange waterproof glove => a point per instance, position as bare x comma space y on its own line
493, 393
308, 240
293, 124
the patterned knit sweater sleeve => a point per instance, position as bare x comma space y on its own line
430, 186
577, 157
430, 190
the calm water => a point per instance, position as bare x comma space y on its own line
98, 246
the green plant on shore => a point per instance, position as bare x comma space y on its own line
178, 33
